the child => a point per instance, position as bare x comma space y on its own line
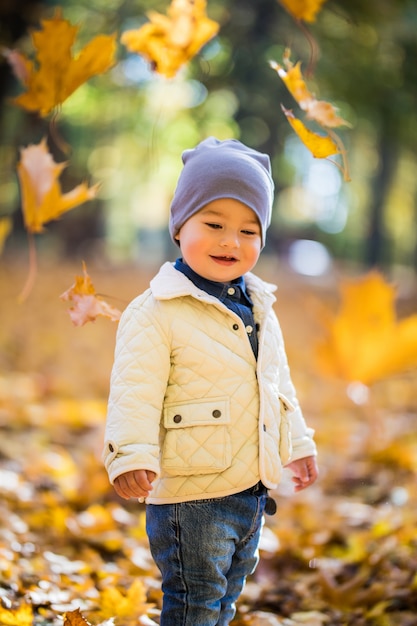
202, 412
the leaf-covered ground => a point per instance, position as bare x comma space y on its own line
343, 553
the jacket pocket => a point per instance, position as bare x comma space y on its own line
197, 438
285, 439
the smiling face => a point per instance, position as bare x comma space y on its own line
222, 241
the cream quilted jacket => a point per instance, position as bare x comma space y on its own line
188, 399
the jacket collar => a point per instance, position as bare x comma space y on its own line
170, 283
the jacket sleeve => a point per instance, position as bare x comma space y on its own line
137, 389
302, 442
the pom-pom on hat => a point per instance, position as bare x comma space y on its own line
217, 169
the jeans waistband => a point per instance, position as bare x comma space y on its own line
257, 490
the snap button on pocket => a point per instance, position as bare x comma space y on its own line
177, 419
235, 326
216, 413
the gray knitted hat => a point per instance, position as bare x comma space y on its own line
217, 169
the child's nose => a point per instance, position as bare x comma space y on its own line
230, 238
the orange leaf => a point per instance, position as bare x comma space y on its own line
305, 10
169, 42
75, 618
320, 146
56, 73
87, 305
364, 342
42, 199
293, 80
320, 111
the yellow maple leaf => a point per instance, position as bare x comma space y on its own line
320, 111
42, 198
305, 10
56, 74
363, 341
125, 606
87, 304
320, 146
22, 616
169, 42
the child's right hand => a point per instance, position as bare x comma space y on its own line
134, 484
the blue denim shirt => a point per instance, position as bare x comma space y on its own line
233, 295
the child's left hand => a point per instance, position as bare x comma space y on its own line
305, 472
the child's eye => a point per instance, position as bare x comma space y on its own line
213, 225
249, 232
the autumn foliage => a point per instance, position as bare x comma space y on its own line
363, 340
42, 197
70, 552
170, 41
319, 111
303, 10
87, 305
55, 73
167, 42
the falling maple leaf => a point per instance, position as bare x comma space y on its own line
87, 304
320, 146
363, 341
319, 111
169, 42
56, 74
305, 10
42, 199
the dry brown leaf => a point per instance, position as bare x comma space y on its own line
87, 304
75, 618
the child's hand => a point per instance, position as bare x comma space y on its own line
305, 472
134, 484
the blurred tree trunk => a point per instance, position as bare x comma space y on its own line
377, 246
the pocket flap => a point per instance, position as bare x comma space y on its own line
197, 413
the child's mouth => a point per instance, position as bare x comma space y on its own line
224, 260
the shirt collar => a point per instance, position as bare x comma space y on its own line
218, 290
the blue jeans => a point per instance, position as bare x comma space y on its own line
205, 549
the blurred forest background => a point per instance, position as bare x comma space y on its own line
127, 128
343, 553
